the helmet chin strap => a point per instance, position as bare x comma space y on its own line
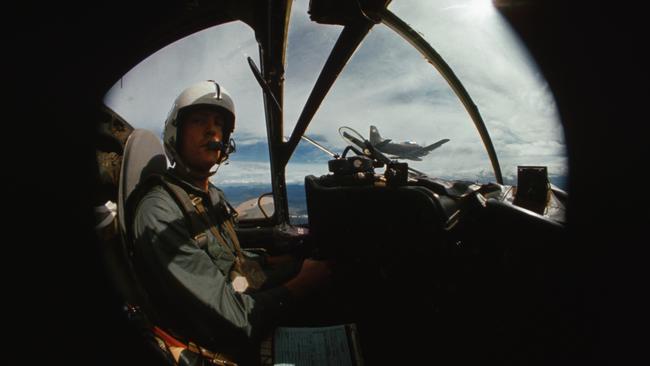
187, 171
218, 165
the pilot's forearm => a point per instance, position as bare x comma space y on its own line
279, 259
279, 269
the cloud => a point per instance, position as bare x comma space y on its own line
251, 172
247, 172
386, 83
145, 95
512, 96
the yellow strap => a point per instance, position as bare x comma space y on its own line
250, 270
213, 357
176, 347
230, 228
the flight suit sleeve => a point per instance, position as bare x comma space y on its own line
189, 273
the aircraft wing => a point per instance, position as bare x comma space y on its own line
383, 143
410, 157
434, 146
415, 155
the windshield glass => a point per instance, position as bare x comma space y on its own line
388, 84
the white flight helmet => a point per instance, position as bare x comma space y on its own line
205, 93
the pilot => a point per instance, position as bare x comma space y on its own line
206, 287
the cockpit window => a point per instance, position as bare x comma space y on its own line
503, 80
145, 95
388, 86
308, 46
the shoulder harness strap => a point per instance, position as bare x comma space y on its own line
227, 221
199, 219
182, 198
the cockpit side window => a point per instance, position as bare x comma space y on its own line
504, 82
145, 95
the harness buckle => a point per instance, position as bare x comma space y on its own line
201, 240
196, 200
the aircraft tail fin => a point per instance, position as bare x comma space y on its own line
375, 137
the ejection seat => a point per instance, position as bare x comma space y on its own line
143, 156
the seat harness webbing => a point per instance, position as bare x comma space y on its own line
245, 274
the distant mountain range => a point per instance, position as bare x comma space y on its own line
237, 194
305, 152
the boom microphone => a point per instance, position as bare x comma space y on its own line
225, 148
216, 145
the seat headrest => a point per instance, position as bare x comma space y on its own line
144, 155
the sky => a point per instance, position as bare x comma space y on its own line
387, 83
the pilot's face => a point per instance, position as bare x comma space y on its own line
198, 128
